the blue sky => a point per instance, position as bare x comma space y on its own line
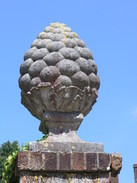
109, 29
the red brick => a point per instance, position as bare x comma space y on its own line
91, 161
23, 160
50, 161
104, 162
64, 161
35, 160
77, 161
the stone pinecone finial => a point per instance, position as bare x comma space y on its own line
59, 58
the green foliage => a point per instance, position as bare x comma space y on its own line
25, 148
6, 150
43, 138
8, 171
9, 164
8, 154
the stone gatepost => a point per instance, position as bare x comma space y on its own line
59, 85
135, 172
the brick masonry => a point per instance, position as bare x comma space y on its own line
101, 167
78, 161
51, 161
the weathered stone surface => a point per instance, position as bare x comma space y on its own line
76, 146
64, 178
36, 67
71, 35
67, 29
25, 66
62, 127
67, 147
55, 46
58, 46
69, 53
43, 35
70, 100
80, 42
42, 43
58, 25
116, 163
87, 66
50, 29
80, 79
35, 81
39, 54
49, 74
50, 35
60, 30
94, 81
84, 52
53, 58
63, 81
57, 37
92, 66
56, 30
24, 82
29, 53
68, 67
70, 43
34, 43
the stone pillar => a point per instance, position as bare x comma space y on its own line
59, 85
135, 172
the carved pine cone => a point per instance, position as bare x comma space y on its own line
58, 56
58, 73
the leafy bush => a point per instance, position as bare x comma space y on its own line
8, 154
6, 150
